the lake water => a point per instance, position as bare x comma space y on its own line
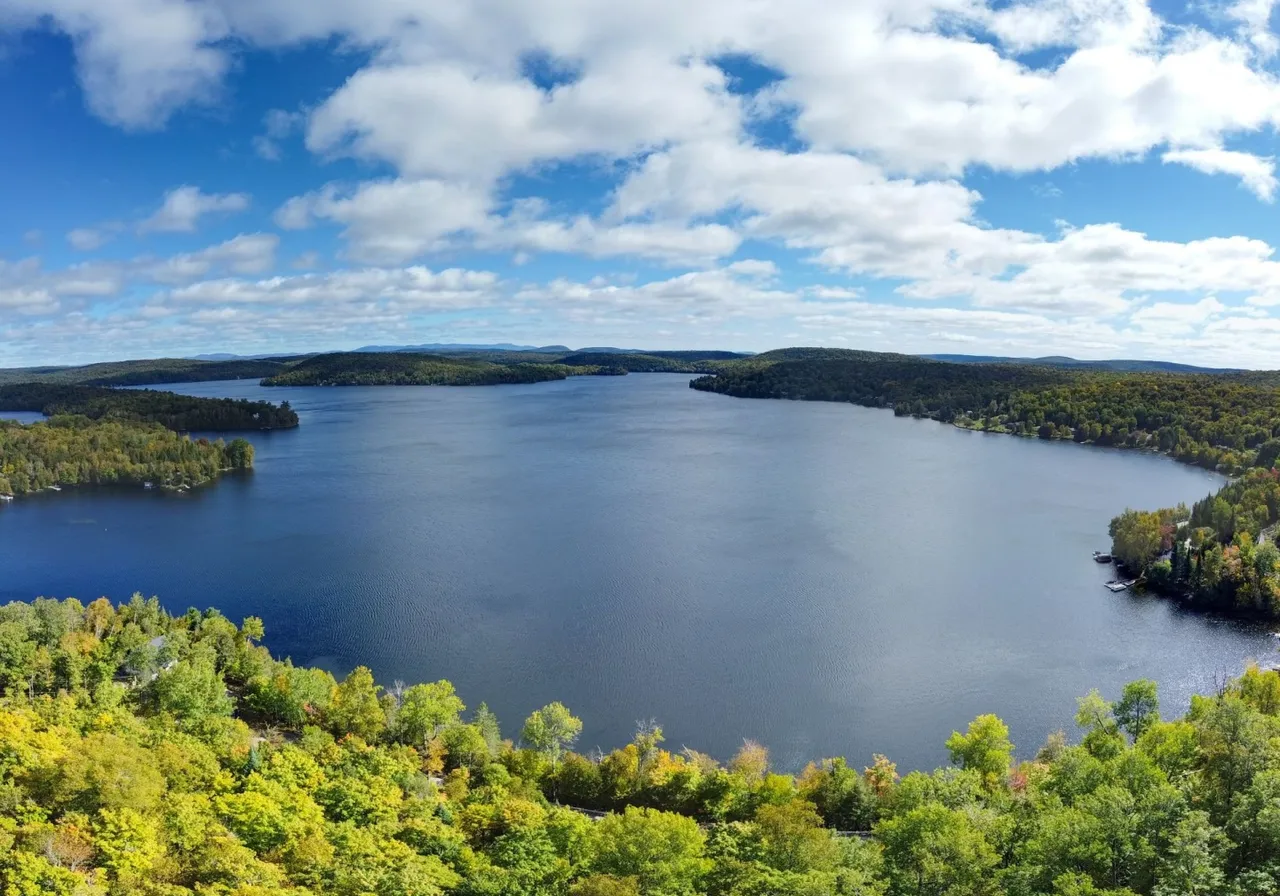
826, 579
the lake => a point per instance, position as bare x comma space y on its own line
823, 578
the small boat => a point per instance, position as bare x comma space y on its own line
148, 485
1101, 557
6, 497
1117, 587
55, 488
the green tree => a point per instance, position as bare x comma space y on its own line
424, 710
792, 838
935, 850
984, 748
239, 454
661, 850
192, 689
355, 707
1102, 735
551, 730
487, 724
606, 885
1136, 538
1138, 708
1194, 862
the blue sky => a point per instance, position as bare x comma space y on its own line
1084, 177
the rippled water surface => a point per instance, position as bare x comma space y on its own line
823, 578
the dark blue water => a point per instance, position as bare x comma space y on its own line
824, 578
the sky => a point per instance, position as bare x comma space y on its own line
1093, 178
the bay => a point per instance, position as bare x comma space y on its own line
822, 578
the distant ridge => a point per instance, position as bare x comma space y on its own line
464, 347
1122, 365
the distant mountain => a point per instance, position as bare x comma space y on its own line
1121, 365
228, 356
610, 350
463, 347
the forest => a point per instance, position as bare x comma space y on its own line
409, 369
182, 413
1216, 421
484, 368
647, 362
146, 372
144, 754
76, 451
1218, 555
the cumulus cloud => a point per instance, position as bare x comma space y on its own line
885, 108
1256, 173
252, 253
138, 60
184, 206
390, 220
86, 239
398, 220
417, 288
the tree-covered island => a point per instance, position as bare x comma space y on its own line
143, 754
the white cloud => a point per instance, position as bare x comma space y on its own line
713, 295
27, 301
672, 243
277, 125
1074, 23
1254, 18
184, 206
893, 103
416, 288
390, 220
1256, 173
138, 60
438, 120
1177, 318
253, 253
28, 285
86, 239
394, 221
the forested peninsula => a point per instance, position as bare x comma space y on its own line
482, 368
77, 451
143, 754
406, 369
182, 413
97, 436
1216, 421
146, 372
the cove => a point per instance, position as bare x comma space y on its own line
823, 578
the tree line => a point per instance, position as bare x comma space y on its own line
409, 369
182, 413
1215, 421
146, 372
76, 451
159, 755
